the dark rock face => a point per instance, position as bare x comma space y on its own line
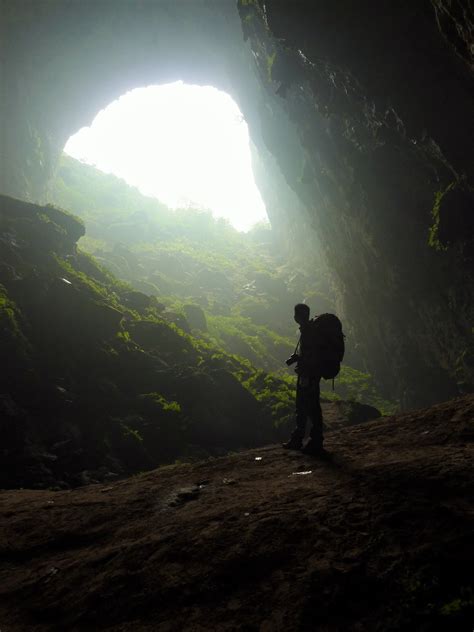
361, 120
381, 106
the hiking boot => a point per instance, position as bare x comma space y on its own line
293, 444
313, 448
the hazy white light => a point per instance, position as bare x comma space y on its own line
186, 145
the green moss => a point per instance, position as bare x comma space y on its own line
153, 401
357, 386
81, 279
433, 231
57, 211
275, 392
44, 218
105, 291
101, 274
11, 334
130, 433
460, 606
124, 336
245, 289
270, 61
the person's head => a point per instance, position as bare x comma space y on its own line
301, 313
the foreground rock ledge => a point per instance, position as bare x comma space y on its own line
379, 537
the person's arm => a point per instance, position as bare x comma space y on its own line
308, 361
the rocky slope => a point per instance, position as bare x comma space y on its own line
94, 383
98, 382
236, 290
376, 537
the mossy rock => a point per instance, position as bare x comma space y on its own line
159, 337
145, 287
224, 412
177, 319
195, 316
90, 265
14, 344
135, 300
170, 265
72, 226
212, 279
71, 313
160, 283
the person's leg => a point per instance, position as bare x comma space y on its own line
301, 413
315, 414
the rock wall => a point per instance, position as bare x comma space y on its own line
361, 120
379, 99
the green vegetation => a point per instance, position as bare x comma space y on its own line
433, 233
162, 337
460, 607
12, 337
358, 386
158, 401
229, 293
270, 62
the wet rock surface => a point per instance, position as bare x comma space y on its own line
377, 537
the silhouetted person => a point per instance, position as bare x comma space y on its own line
308, 405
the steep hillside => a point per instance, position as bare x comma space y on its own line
245, 285
235, 291
98, 382
376, 537
94, 382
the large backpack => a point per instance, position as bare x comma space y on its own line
327, 345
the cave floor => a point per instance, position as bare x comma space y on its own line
377, 536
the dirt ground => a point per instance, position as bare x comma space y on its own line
377, 536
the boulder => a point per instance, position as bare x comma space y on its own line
177, 319
215, 279
135, 300
340, 414
72, 226
195, 316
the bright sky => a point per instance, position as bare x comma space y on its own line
186, 145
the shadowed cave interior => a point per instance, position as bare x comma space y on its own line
134, 336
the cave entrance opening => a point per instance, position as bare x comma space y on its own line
186, 145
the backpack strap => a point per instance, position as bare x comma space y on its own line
298, 345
